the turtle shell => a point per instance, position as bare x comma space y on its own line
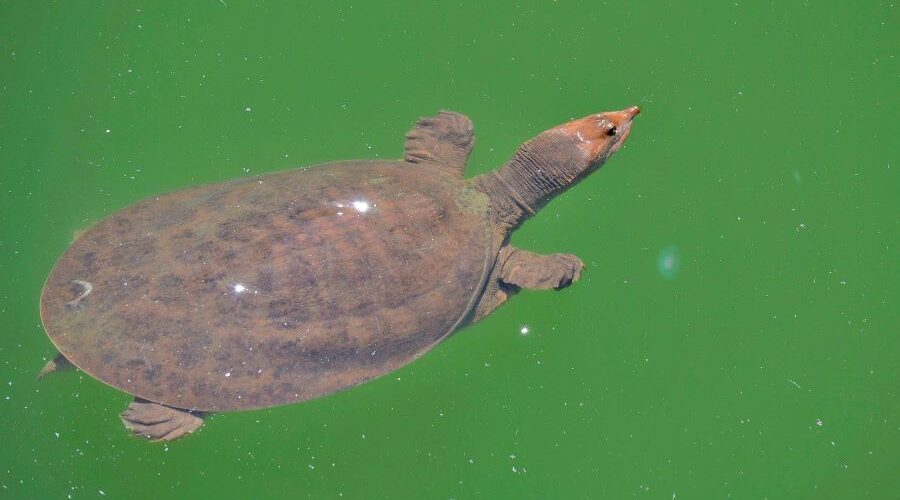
274, 289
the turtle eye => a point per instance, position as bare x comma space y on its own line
612, 131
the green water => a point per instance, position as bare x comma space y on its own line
735, 335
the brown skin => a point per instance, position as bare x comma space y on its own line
542, 168
265, 291
552, 162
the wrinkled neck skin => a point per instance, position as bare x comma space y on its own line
540, 170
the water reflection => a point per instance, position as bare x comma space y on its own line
668, 262
361, 206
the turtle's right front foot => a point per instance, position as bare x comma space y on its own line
159, 422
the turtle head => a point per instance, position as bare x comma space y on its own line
597, 136
557, 159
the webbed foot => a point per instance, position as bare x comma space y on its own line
444, 140
159, 422
526, 269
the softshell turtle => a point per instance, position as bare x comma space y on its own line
283, 287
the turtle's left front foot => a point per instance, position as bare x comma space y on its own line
526, 269
159, 422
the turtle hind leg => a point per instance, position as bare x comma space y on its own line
58, 364
158, 422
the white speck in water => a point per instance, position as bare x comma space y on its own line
239, 288
524, 330
819, 422
248, 109
108, 131
361, 206
227, 374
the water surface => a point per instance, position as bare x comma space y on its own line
735, 334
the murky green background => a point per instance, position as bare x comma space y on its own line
735, 335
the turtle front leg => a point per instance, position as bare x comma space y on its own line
524, 269
444, 141
517, 269
159, 422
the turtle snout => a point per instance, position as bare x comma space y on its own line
625, 116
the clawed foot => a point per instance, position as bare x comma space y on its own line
559, 270
158, 422
567, 270
529, 270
